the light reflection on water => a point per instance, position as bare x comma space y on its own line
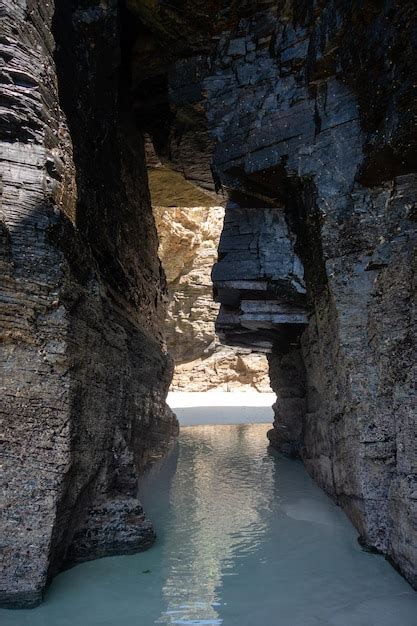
245, 538
217, 514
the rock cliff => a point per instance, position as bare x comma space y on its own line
188, 242
84, 367
304, 115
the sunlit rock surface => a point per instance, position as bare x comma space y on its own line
188, 241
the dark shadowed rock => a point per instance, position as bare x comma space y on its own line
84, 369
312, 107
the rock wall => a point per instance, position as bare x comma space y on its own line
188, 241
304, 114
84, 367
308, 109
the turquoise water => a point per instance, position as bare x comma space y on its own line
245, 538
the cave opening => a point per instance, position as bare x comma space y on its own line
208, 373
260, 304
189, 209
158, 157
186, 187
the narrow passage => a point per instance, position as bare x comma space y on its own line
245, 538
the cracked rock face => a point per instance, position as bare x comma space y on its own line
304, 114
188, 240
258, 279
84, 368
308, 110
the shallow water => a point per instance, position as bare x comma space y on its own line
245, 538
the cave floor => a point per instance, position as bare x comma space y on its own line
245, 538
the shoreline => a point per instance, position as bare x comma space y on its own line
196, 408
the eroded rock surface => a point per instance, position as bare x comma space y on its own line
84, 368
304, 113
258, 279
311, 111
188, 241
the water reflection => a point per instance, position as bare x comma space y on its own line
217, 516
244, 538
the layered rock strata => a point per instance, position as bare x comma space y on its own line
84, 368
309, 109
188, 240
304, 113
258, 279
